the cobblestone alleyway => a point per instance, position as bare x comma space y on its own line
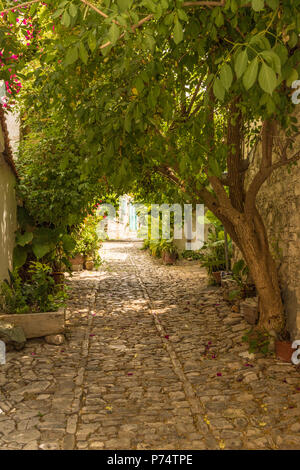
154, 360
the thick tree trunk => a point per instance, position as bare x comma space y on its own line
263, 270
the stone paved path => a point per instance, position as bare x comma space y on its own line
154, 360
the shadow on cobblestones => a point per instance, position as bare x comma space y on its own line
154, 360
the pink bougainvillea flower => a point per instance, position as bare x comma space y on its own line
219, 374
130, 373
248, 365
92, 335
167, 336
213, 356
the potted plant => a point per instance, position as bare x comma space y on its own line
89, 264
88, 244
168, 251
212, 255
34, 293
155, 249
283, 347
77, 262
31, 300
240, 273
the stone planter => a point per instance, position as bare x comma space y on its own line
249, 309
36, 325
77, 263
283, 350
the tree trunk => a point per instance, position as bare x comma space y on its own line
263, 270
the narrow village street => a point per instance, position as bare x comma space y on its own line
154, 359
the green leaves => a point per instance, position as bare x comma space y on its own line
24, 239
71, 56
258, 5
83, 53
271, 61
73, 10
124, 4
68, 243
19, 256
273, 4
267, 79
222, 84
226, 76
218, 89
66, 19
177, 32
77, 51
250, 75
241, 63
12, 17
43, 242
92, 41
114, 33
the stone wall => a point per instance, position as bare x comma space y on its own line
279, 204
7, 212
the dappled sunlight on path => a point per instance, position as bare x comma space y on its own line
154, 360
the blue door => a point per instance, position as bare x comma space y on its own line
132, 218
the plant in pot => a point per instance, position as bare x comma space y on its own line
258, 341
283, 347
146, 244
169, 252
212, 255
155, 249
59, 260
87, 242
35, 293
240, 273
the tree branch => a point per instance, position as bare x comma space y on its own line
265, 172
21, 5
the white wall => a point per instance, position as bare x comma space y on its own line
7, 214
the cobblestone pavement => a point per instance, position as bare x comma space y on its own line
154, 360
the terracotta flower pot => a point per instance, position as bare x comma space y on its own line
89, 264
217, 277
168, 258
284, 350
77, 263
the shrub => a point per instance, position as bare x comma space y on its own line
38, 293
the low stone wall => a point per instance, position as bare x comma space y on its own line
279, 204
7, 213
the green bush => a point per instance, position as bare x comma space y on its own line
87, 240
212, 254
38, 293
